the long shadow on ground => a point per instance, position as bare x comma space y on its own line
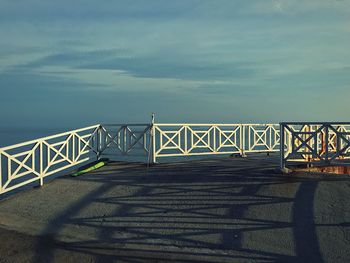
205, 211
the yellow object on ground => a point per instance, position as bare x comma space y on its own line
93, 167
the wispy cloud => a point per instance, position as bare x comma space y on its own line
300, 6
182, 58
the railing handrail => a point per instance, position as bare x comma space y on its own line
214, 124
124, 124
315, 123
5, 148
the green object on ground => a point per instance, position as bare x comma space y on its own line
91, 167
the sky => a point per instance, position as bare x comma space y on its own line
75, 63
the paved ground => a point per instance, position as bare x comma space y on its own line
218, 210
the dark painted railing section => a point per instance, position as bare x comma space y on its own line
317, 143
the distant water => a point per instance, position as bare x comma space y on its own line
10, 136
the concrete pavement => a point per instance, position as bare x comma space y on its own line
215, 210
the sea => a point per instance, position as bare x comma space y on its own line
14, 135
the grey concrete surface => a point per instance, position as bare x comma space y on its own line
214, 210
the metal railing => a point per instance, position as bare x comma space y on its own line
124, 138
319, 143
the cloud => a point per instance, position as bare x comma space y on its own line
89, 10
174, 68
10, 50
300, 6
181, 58
166, 63
22, 85
70, 59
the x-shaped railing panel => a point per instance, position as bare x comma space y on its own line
263, 137
27, 162
315, 143
124, 138
203, 139
229, 138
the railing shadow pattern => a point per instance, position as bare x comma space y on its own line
173, 213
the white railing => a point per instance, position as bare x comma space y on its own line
203, 139
320, 143
33, 161
25, 163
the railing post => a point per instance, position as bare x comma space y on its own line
152, 149
186, 139
41, 160
98, 142
327, 143
242, 140
0, 172
214, 139
124, 139
282, 138
308, 157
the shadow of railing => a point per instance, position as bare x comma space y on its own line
212, 212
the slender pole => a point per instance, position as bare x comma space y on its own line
242, 140
0, 172
282, 164
214, 139
41, 160
99, 141
327, 143
153, 141
124, 139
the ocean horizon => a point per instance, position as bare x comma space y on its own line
13, 135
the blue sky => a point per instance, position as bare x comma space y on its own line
73, 63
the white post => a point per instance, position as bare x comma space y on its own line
0, 172
125, 139
153, 141
282, 138
242, 140
41, 160
214, 139
99, 142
